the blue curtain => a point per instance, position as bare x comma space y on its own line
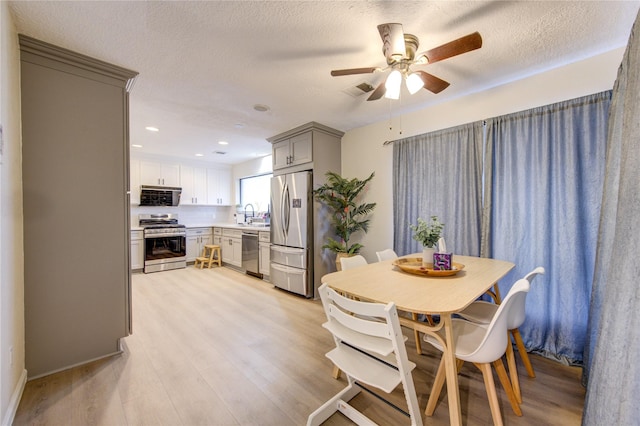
612, 364
439, 174
544, 197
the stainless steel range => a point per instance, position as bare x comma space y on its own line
165, 242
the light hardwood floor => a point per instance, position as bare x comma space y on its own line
216, 347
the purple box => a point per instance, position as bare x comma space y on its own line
442, 261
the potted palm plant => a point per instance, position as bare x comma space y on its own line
427, 234
348, 214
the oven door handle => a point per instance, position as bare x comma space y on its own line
177, 234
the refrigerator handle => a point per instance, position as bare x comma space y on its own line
286, 210
281, 218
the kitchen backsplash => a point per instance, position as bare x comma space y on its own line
189, 215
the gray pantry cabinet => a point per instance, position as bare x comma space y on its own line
75, 153
317, 148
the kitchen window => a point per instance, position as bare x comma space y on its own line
256, 190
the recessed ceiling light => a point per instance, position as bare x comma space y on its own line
199, 155
223, 143
261, 108
152, 129
135, 145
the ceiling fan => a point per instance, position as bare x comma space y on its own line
400, 50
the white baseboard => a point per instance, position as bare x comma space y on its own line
15, 400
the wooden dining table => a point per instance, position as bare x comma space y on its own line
384, 282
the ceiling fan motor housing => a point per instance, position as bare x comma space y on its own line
400, 50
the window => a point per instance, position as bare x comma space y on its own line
256, 190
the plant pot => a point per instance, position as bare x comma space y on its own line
427, 255
341, 255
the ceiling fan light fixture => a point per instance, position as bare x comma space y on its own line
392, 85
414, 83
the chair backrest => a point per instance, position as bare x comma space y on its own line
352, 262
531, 275
517, 313
495, 340
387, 254
371, 319
375, 353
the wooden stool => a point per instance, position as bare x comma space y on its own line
212, 249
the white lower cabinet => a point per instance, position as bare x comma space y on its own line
197, 238
217, 237
232, 246
264, 244
137, 250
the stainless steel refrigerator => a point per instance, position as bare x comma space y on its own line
292, 233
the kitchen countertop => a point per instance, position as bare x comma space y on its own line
216, 225
231, 226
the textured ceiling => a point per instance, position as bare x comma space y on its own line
204, 65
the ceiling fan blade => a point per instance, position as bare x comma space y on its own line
392, 41
432, 83
378, 93
453, 48
351, 71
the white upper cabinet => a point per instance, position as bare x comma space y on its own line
219, 187
193, 181
201, 184
157, 173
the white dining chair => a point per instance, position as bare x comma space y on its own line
482, 312
484, 346
347, 263
387, 254
352, 262
370, 350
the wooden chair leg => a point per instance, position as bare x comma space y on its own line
506, 384
513, 371
523, 352
436, 389
490, 386
336, 372
416, 335
496, 291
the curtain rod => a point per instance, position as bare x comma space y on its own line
385, 143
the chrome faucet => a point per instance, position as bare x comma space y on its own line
253, 212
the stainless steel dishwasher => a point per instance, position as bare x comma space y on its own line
250, 251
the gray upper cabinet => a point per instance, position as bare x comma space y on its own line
75, 165
293, 151
301, 148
